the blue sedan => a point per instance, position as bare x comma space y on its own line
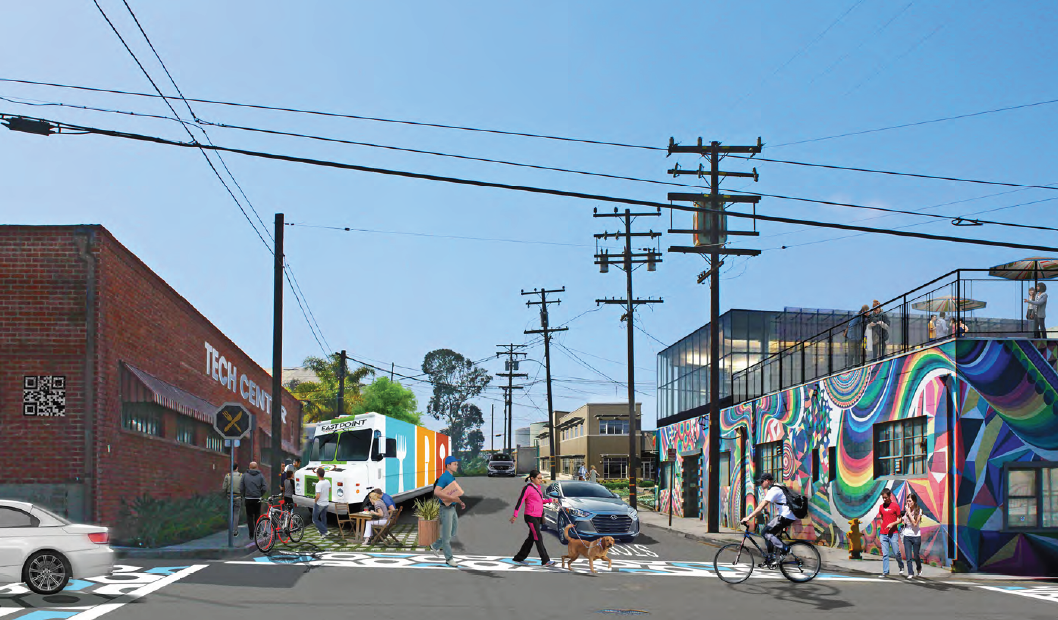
594, 510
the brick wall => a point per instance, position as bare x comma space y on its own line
43, 324
141, 321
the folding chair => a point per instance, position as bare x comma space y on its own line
341, 511
380, 537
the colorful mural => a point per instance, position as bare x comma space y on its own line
1008, 413
985, 403
686, 438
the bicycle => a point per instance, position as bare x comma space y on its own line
734, 563
279, 521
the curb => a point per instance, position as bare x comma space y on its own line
978, 578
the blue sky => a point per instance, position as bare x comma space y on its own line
617, 71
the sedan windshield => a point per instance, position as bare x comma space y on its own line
586, 489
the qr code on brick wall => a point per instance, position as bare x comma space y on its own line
44, 395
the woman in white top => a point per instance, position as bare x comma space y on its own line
911, 517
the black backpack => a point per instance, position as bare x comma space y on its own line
798, 503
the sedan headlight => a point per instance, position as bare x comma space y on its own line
577, 512
633, 513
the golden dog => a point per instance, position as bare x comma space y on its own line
594, 550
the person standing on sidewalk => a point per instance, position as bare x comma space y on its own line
253, 488
446, 489
322, 501
593, 476
533, 498
888, 536
912, 534
233, 480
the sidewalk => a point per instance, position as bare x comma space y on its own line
212, 547
834, 559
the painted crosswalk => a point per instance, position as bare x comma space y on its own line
86, 599
494, 563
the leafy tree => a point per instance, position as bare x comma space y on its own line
456, 380
321, 396
390, 399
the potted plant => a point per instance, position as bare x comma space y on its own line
428, 511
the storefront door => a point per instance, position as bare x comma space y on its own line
690, 486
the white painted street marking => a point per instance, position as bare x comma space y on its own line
1043, 593
496, 563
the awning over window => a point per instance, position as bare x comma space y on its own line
138, 386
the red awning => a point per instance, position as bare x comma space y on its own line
138, 386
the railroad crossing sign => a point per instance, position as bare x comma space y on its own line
232, 421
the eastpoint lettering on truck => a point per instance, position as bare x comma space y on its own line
225, 373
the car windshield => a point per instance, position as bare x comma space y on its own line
500, 457
586, 489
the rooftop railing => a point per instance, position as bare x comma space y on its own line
963, 303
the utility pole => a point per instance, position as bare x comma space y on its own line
341, 384
651, 257
276, 462
708, 220
546, 330
511, 365
492, 427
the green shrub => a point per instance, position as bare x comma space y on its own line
476, 466
151, 522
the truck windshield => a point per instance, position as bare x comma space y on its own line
323, 448
354, 445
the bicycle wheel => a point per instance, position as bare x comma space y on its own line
297, 527
802, 563
264, 535
734, 563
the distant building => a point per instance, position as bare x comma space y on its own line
597, 434
522, 436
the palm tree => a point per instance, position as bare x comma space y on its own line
320, 397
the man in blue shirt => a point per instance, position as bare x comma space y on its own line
387, 500
447, 490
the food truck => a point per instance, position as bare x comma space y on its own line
366, 451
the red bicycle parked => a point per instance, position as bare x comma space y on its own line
279, 522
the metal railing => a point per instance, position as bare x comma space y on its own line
905, 323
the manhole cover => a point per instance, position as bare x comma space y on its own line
624, 612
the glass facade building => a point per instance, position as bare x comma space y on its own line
746, 338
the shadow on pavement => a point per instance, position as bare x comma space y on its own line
484, 506
821, 596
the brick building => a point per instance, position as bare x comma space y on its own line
109, 379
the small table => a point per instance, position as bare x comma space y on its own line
360, 520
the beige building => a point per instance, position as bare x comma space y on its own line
597, 434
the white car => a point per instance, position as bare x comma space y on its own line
44, 551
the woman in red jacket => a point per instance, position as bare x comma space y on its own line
533, 498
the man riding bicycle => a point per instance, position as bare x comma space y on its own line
781, 517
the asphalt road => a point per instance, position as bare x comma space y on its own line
660, 574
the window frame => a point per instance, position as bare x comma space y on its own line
186, 430
33, 521
1039, 467
759, 459
903, 423
147, 419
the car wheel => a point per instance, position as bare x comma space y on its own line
46, 572
561, 527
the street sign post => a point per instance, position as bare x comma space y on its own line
232, 421
672, 465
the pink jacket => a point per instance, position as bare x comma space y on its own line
534, 501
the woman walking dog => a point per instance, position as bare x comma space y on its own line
533, 498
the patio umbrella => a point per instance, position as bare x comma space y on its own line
1034, 268
947, 303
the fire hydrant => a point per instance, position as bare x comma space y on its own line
855, 540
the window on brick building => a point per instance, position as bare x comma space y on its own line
185, 430
900, 448
143, 418
214, 442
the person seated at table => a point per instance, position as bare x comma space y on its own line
387, 500
377, 508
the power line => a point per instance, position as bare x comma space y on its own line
418, 234
531, 189
579, 172
341, 115
900, 174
